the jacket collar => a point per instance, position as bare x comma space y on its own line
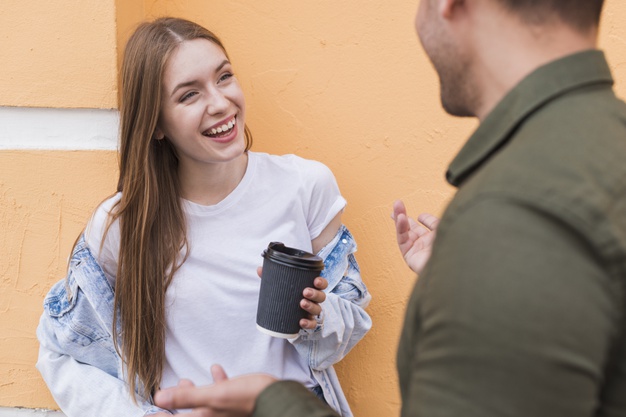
540, 87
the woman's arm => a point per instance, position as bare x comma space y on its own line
77, 357
80, 389
343, 321
327, 234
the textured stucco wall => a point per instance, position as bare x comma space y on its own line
345, 83
45, 199
58, 53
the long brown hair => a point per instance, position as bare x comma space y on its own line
151, 218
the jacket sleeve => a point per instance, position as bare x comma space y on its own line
343, 322
81, 389
77, 363
288, 399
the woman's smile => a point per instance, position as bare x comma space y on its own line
203, 107
224, 131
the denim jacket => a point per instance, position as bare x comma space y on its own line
83, 371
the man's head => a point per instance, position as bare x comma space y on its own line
579, 14
472, 43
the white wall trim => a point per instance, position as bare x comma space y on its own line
58, 129
24, 412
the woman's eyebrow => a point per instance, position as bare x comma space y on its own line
183, 84
220, 66
188, 83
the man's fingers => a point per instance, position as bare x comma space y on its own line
398, 208
428, 220
185, 383
413, 224
182, 397
403, 224
218, 373
201, 412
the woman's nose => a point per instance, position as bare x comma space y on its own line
217, 102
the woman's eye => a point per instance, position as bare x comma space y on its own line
225, 76
188, 95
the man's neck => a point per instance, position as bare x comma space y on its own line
503, 61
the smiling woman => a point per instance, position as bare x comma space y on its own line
162, 284
203, 115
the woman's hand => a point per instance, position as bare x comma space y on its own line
313, 297
415, 238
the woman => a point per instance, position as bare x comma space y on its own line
171, 258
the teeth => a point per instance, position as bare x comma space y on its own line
224, 128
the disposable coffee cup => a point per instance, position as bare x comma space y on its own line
286, 273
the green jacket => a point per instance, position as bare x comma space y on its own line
520, 310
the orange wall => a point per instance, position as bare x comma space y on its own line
345, 83
58, 53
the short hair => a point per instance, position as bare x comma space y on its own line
580, 14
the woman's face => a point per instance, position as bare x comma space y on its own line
202, 105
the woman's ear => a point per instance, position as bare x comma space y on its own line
158, 134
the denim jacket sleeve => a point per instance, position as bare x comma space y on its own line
343, 321
77, 358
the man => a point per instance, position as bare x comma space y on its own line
520, 310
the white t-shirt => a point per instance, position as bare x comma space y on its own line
212, 301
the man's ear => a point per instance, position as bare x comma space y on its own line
447, 8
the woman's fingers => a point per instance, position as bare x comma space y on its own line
310, 307
313, 297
